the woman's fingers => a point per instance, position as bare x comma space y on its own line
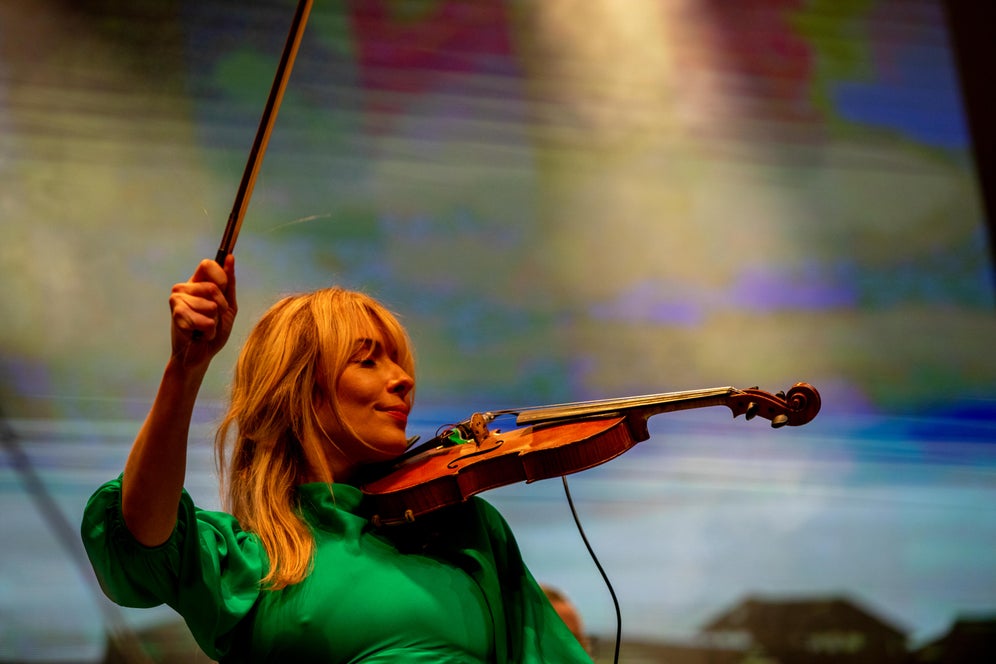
203, 308
198, 306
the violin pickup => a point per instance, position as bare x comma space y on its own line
477, 427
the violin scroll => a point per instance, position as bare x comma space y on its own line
796, 407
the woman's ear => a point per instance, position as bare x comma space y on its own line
321, 391
318, 394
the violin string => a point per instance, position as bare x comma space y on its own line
299, 220
604, 406
601, 570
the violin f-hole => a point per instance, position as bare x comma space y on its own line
455, 463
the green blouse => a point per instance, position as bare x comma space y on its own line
452, 588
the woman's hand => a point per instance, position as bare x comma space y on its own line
203, 312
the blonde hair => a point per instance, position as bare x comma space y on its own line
278, 442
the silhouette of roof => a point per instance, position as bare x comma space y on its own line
968, 640
764, 616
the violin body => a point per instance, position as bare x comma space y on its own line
559, 440
450, 474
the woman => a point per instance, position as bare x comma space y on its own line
294, 571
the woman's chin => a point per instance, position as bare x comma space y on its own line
392, 449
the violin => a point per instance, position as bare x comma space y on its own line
558, 440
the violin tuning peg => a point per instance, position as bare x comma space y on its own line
779, 421
752, 409
780, 394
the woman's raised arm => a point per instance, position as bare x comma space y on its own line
203, 312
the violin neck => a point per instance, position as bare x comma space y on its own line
644, 406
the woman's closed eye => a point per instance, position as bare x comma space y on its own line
370, 354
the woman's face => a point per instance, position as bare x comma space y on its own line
373, 395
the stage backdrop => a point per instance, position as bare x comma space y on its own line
563, 200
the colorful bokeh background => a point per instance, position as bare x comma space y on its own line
563, 200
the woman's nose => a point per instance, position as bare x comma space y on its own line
402, 383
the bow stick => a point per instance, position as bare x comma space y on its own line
263, 132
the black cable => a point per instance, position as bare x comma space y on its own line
601, 570
120, 634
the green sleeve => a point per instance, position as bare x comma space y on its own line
208, 570
535, 632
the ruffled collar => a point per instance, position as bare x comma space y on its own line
320, 500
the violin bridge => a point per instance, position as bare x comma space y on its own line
478, 426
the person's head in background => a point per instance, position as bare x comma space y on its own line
568, 613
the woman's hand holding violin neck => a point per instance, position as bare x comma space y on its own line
203, 312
